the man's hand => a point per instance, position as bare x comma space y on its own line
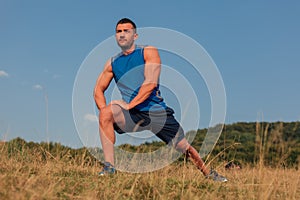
121, 103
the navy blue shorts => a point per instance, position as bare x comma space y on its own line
162, 123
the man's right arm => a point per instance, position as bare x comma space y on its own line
102, 84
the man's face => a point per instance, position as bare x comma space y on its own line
125, 35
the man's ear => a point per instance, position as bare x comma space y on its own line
136, 36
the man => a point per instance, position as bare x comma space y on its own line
136, 71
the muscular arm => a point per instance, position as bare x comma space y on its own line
102, 83
151, 73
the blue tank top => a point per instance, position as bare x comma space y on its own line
128, 73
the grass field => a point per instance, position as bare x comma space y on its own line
37, 174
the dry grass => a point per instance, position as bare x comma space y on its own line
32, 172
37, 176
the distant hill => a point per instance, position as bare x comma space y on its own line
273, 144
276, 143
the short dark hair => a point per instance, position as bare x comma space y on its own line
126, 20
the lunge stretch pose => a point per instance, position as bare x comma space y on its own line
136, 71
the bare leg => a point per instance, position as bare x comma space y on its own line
107, 117
191, 153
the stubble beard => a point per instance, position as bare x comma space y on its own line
126, 46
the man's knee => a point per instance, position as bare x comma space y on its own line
106, 115
182, 145
109, 114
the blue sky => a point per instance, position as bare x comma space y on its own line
255, 44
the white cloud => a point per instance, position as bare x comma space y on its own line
3, 73
37, 87
91, 118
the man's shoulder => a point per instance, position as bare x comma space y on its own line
147, 47
139, 46
115, 57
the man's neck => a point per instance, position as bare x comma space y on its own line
129, 50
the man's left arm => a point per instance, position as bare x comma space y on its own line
151, 73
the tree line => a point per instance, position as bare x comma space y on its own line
275, 144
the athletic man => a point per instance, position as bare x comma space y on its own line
136, 71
